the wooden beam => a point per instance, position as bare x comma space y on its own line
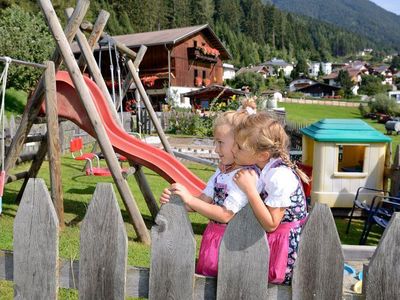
95, 119
86, 51
149, 107
146, 191
33, 106
87, 26
54, 149
95, 35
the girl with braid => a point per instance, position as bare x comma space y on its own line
281, 206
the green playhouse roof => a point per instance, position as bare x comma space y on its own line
344, 130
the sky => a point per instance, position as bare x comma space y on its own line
389, 5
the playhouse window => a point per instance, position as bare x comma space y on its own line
351, 158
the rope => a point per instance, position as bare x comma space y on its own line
3, 80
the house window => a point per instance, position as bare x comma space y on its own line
195, 44
351, 158
204, 74
196, 73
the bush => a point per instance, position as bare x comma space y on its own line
190, 124
385, 105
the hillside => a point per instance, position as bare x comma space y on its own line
360, 16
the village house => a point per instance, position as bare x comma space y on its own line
384, 72
229, 71
355, 70
262, 70
300, 83
275, 65
177, 61
315, 68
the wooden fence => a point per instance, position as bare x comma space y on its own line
102, 271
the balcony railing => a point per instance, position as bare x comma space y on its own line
196, 54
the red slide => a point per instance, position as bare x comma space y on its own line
164, 164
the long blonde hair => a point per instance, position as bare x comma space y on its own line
230, 118
260, 133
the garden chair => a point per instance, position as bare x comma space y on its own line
361, 204
380, 214
76, 146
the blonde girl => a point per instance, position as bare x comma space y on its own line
281, 207
221, 199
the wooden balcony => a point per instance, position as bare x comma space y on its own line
196, 54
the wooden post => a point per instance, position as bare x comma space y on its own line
172, 253
32, 107
383, 270
36, 245
86, 51
95, 119
94, 35
318, 271
103, 248
146, 191
149, 107
239, 251
388, 161
53, 142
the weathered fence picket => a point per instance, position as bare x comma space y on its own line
319, 267
102, 271
103, 248
173, 251
36, 244
243, 259
383, 270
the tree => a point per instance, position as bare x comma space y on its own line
24, 36
346, 83
372, 85
253, 80
395, 62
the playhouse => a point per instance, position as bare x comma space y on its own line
344, 154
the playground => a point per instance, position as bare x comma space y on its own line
63, 230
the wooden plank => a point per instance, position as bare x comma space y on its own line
33, 105
36, 245
53, 142
173, 251
383, 270
318, 271
137, 280
239, 277
97, 124
146, 190
103, 248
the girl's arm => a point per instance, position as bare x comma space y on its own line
205, 208
166, 195
269, 217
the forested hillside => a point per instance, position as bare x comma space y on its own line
361, 16
252, 31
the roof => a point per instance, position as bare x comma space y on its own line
171, 37
317, 85
213, 91
255, 69
276, 62
345, 131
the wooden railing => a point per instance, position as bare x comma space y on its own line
102, 271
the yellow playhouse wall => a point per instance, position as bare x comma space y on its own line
338, 189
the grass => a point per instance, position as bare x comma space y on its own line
15, 102
310, 113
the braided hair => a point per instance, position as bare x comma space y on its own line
260, 132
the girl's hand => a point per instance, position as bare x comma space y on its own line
181, 191
246, 180
165, 196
